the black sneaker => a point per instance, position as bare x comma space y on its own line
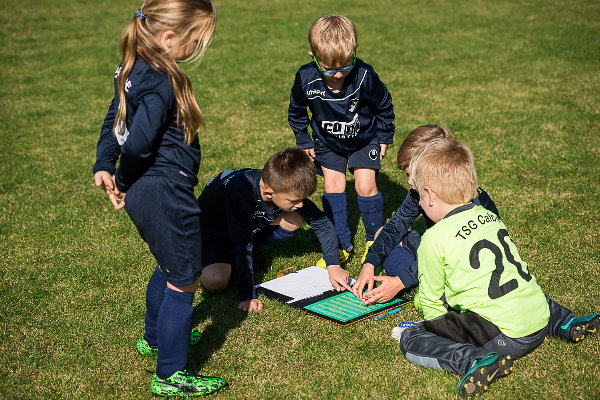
483, 372
183, 383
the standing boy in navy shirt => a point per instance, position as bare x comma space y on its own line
351, 120
241, 208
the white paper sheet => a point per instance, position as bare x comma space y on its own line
307, 282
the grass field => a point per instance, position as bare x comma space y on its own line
517, 81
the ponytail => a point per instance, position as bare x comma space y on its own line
184, 17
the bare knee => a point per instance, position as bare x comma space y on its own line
364, 182
334, 181
215, 277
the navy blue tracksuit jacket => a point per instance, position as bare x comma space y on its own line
361, 113
232, 210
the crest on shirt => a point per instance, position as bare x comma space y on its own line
352, 105
121, 133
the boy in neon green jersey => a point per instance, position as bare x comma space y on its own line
481, 305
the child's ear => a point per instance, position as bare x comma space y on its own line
310, 54
267, 191
431, 196
167, 39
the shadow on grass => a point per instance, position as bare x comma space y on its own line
223, 316
393, 193
221, 312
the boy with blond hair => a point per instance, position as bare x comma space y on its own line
395, 248
482, 306
351, 120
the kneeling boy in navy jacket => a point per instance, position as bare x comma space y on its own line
243, 208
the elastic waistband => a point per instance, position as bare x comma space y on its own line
175, 174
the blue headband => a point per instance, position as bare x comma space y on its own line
139, 14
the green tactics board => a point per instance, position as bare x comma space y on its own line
345, 308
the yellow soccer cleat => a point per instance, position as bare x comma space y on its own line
367, 247
344, 258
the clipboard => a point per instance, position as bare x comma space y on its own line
309, 289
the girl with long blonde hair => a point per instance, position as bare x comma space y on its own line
152, 129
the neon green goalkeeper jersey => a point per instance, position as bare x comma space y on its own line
469, 257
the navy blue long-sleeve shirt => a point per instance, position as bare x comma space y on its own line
397, 227
361, 113
232, 209
152, 143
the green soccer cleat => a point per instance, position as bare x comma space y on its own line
483, 372
143, 347
344, 258
183, 384
579, 327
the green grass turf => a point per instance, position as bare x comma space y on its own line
516, 81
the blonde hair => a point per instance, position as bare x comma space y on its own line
333, 39
447, 167
290, 171
139, 39
416, 139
